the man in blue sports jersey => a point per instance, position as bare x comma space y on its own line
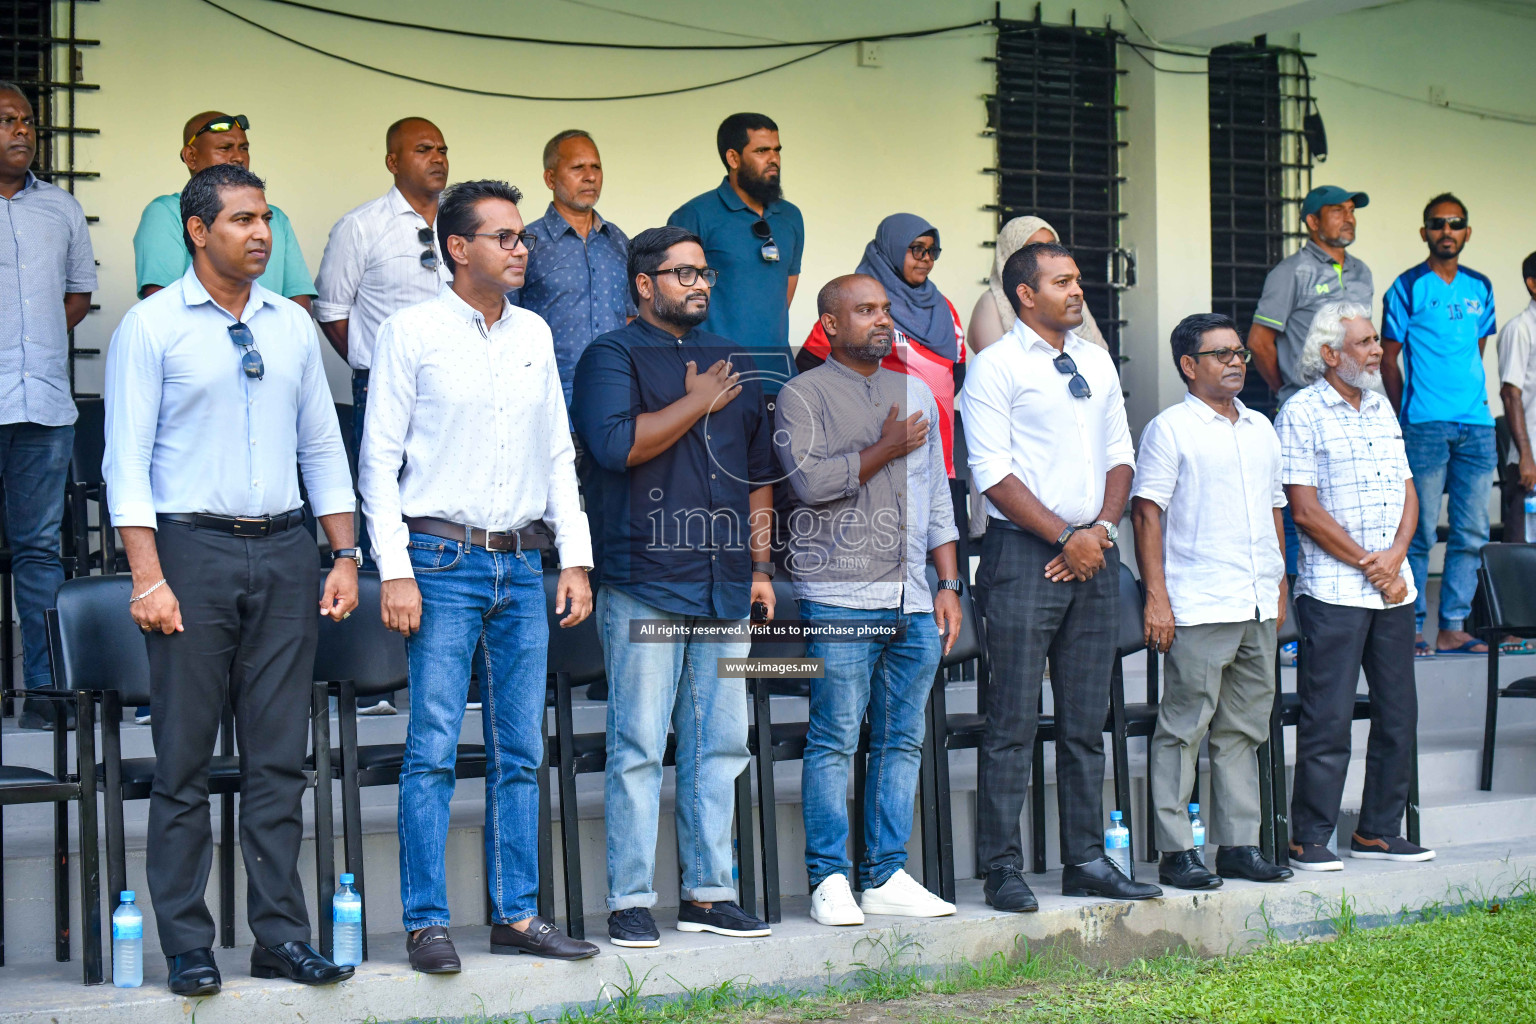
1439, 314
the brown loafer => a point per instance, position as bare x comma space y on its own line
541, 939
431, 951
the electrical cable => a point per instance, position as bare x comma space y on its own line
1485, 113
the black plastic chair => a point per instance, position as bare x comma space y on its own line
1507, 583
946, 732
1274, 802
61, 787
84, 487
1127, 720
771, 743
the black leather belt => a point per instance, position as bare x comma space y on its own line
994, 523
534, 537
237, 526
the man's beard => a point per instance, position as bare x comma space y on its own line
677, 312
579, 205
869, 351
1338, 243
763, 189
1357, 376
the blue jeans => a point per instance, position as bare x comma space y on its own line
491, 602
890, 680
652, 686
34, 461
1457, 458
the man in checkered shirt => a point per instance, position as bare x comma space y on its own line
1351, 492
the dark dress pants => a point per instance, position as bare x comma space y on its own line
1337, 641
1030, 619
247, 604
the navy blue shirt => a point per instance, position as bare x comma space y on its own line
672, 532
750, 304
578, 285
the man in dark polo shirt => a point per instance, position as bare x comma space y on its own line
677, 481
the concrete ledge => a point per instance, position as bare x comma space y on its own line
800, 955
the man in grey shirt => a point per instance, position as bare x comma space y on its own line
1301, 284
47, 274
869, 476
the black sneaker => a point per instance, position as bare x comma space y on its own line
722, 919
1368, 847
633, 927
1314, 857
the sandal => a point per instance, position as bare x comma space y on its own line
1421, 649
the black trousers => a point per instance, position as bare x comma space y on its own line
249, 608
1030, 619
1336, 643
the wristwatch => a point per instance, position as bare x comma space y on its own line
356, 554
766, 568
950, 585
1111, 529
1065, 535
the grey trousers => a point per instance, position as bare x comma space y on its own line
1221, 681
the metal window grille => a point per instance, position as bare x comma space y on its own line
1056, 119
1261, 168
40, 52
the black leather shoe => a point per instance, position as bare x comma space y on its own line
1006, 889
431, 951
541, 939
1247, 862
1102, 878
193, 973
1185, 870
296, 961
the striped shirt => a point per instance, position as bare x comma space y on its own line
858, 545
1356, 460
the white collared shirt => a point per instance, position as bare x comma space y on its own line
1356, 460
188, 431
1218, 483
1021, 419
372, 269
467, 423
1517, 364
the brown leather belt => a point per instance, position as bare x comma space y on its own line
534, 537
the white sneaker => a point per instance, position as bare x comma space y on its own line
383, 707
832, 903
901, 896
473, 705
140, 719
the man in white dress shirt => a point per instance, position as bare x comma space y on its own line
1352, 495
1215, 582
215, 396
1050, 449
1517, 391
468, 483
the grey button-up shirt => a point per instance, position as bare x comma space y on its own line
1299, 286
45, 254
858, 545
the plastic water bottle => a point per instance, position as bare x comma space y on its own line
1117, 844
347, 916
1198, 828
127, 943
1530, 518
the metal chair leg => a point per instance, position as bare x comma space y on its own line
1413, 795
546, 897
944, 821
1491, 719
767, 810
90, 865
746, 863
112, 790
351, 798
60, 842
325, 834
570, 822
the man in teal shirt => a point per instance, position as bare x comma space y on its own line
159, 252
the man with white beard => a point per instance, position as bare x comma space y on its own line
1351, 492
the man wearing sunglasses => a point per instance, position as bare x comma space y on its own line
1050, 449
469, 486
215, 401
159, 255
1439, 315
1211, 547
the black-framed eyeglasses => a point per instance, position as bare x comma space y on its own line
1226, 355
223, 124
921, 252
1078, 385
505, 237
770, 250
429, 254
687, 275
250, 358
1441, 223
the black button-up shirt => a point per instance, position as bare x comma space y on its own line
672, 532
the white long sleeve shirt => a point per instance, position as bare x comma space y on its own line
466, 422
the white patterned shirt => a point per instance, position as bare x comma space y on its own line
372, 269
1356, 460
467, 423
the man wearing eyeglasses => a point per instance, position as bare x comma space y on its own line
1050, 449
49, 273
1439, 315
215, 399
469, 486
1214, 575
159, 255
